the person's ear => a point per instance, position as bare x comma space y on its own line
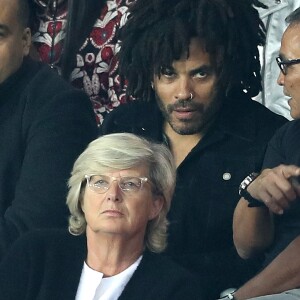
26, 38
157, 205
81, 199
82, 206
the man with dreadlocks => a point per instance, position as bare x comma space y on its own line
193, 66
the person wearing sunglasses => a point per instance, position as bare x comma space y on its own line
267, 218
120, 191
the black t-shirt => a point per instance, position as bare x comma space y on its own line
284, 148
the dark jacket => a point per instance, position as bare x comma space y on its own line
47, 265
44, 124
200, 232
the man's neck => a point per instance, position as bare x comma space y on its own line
181, 145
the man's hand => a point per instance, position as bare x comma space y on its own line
277, 187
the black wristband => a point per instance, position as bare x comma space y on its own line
246, 195
252, 202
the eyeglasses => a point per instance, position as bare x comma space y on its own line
283, 64
101, 183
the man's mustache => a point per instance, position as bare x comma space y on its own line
187, 104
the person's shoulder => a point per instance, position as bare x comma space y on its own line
39, 242
47, 82
289, 131
173, 278
48, 93
292, 125
252, 119
129, 116
165, 267
259, 109
39, 70
261, 116
42, 237
132, 107
163, 279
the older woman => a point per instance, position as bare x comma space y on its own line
120, 192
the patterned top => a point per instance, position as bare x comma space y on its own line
96, 66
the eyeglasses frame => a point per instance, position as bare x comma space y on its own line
282, 64
88, 177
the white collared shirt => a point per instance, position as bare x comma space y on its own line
93, 286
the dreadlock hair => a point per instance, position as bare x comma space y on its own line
158, 32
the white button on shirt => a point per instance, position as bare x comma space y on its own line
93, 286
226, 176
